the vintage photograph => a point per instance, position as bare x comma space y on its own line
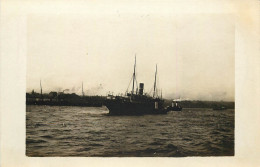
130, 85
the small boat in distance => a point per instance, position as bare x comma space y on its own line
219, 108
136, 102
175, 106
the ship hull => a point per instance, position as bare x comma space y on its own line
130, 108
174, 108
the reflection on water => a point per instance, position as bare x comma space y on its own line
89, 131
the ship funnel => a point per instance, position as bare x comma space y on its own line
141, 88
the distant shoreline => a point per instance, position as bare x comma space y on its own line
100, 103
64, 103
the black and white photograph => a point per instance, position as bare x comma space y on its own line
130, 85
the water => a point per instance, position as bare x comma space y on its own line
89, 131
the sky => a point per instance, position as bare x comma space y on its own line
194, 53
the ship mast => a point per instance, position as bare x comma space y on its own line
154, 87
82, 90
41, 88
133, 88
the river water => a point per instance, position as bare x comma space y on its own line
89, 131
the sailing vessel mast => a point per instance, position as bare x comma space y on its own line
154, 87
41, 88
82, 90
133, 88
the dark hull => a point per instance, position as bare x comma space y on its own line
174, 108
130, 108
219, 108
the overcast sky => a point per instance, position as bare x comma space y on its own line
194, 53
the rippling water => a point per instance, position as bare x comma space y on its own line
87, 131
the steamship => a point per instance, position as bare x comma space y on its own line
136, 102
